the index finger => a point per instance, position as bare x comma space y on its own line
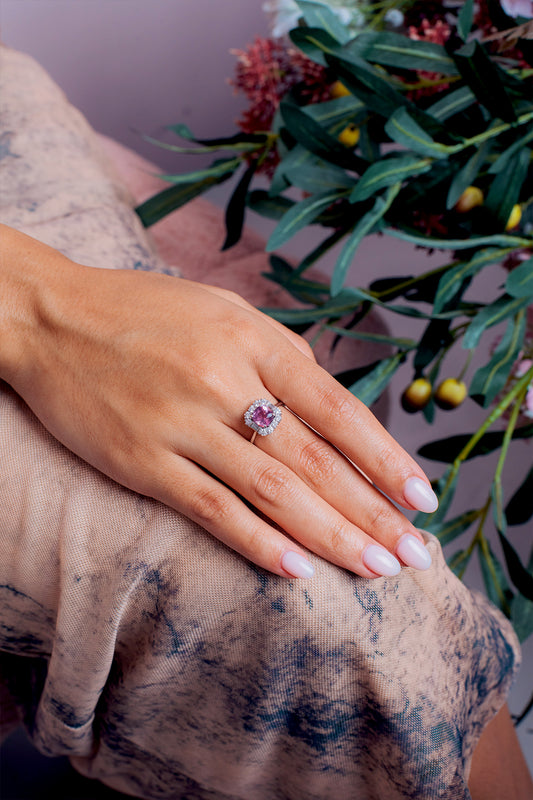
324, 404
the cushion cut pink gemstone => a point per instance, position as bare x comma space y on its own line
263, 416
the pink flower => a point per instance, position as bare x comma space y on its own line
527, 410
518, 8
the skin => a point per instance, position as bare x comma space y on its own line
499, 769
116, 366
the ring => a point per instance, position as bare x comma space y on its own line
263, 417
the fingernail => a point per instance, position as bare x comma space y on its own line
380, 561
296, 565
413, 553
420, 495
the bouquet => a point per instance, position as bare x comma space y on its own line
412, 120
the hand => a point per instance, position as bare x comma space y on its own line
147, 378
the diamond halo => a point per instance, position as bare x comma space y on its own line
262, 417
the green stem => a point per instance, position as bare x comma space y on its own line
406, 284
465, 365
490, 133
498, 410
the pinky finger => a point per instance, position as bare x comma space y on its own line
217, 509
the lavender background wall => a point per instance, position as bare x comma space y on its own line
136, 66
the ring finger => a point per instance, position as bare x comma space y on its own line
320, 519
328, 473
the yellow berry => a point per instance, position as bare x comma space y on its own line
338, 89
417, 395
450, 394
514, 217
349, 136
470, 198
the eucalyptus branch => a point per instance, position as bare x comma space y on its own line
521, 385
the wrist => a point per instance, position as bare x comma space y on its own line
30, 274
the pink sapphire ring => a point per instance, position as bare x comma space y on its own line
263, 417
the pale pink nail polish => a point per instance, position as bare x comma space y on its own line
297, 565
420, 495
413, 553
380, 561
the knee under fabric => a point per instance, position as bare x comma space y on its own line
161, 662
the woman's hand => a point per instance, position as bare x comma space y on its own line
147, 378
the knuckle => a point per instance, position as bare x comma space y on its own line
306, 348
210, 506
318, 460
341, 539
379, 517
255, 543
270, 483
385, 459
337, 405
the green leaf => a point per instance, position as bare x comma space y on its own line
379, 338
396, 50
393, 169
403, 129
319, 177
161, 204
505, 187
317, 15
368, 147
236, 140
301, 214
270, 207
235, 210
369, 388
498, 240
520, 280
447, 531
241, 142
315, 138
220, 167
464, 19
493, 313
347, 109
314, 42
298, 316
485, 79
502, 162
496, 584
519, 509
467, 175
522, 616
364, 226
435, 338
448, 449
519, 575
490, 379
452, 103
454, 277
368, 84
459, 562
296, 158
